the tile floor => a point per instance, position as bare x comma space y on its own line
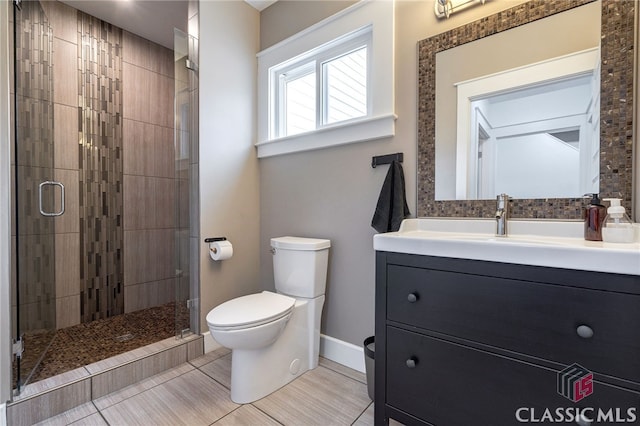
197, 393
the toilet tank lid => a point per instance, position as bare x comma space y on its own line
299, 243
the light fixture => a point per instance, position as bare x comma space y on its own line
444, 8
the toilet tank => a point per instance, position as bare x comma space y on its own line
300, 265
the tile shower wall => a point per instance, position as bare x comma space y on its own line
149, 188
126, 132
34, 117
66, 154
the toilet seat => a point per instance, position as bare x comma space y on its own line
250, 311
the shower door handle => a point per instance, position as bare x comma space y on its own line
40, 189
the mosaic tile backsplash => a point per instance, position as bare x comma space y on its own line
616, 109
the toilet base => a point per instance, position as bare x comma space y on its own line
255, 373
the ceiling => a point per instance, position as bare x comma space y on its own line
151, 19
261, 4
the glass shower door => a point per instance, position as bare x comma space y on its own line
38, 197
186, 207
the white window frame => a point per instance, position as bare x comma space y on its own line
313, 62
331, 38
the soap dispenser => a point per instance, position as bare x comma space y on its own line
617, 227
594, 215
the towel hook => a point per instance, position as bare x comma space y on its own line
386, 159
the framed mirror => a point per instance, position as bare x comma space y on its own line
615, 96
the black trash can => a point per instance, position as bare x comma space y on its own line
369, 357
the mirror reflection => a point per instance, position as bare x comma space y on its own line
517, 112
531, 132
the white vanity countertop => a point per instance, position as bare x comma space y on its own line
554, 244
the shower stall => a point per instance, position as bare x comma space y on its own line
103, 206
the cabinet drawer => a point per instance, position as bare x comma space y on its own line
450, 384
532, 318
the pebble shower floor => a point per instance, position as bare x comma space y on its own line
83, 344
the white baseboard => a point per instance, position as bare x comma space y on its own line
344, 353
209, 343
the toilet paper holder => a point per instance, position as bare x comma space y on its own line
219, 248
213, 240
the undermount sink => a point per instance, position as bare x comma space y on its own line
540, 243
494, 239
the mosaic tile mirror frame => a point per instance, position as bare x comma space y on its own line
616, 110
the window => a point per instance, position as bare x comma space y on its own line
322, 87
345, 87
329, 85
297, 98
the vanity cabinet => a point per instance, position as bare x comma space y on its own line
462, 342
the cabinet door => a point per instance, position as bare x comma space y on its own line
544, 320
450, 384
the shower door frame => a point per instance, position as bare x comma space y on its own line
5, 208
186, 139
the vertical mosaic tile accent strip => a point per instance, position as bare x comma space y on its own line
34, 146
616, 109
101, 208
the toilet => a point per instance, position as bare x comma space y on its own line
275, 337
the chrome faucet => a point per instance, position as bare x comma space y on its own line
502, 212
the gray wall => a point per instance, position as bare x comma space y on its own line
332, 193
229, 200
285, 18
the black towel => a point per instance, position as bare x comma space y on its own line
392, 205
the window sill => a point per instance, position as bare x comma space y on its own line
340, 134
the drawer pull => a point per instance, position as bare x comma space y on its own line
411, 362
585, 331
412, 297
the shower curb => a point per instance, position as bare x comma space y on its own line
103, 378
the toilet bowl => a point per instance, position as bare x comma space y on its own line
275, 337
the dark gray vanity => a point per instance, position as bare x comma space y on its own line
474, 329
462, 342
